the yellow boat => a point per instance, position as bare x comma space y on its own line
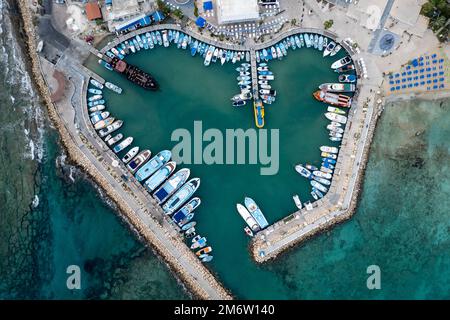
258, 108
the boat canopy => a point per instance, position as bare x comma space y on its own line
141, 20
200, 22
158, 16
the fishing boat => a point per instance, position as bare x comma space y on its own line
110, 129
203, 251
266, 77
188, 226
130, 155
348, 78
335, 129
341, 62
194, 48
248, 218
329, 160
199, 243
330, 47
335, 110
310, 167
297, 41
273, 52
334, 134
322, 181
314, 195
336, 50
329, 149
160, 176
113, 87
337, 87
104, 123
152, 165
215, 55
223, 56
320, 194
256, 213
115, 139
209, 55
140, 159
320, 46
325, 169
346, 68
258, 109
318, 186
248, 231
336, 117
320, 174
328, 155
303, 171
171, 185
181, 196
124, 144
94, 91
96, 108
95, 97
297, 201
165, 38
339, 100
98, 116
180, 215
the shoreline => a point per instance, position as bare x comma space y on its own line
84, 164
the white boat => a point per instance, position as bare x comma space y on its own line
98, 107
326, 170
329, 149
251, 222
110, 128
335, 129
336, 117
322, 174
95, 83
341, 62
130, 154
121, 146
165, 38
335, 110
139, 160
209, 56
330, 47
318, 186
297, 201
115, 139
113, 87
320, 43
336, 50
322, 181
303, 171
328, 155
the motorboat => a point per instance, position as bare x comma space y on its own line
303, 171
328, 155
110, 129
336, 50
335, 110
347, 78
337, 87
152, 165
130, 155
346, 68
330, 47
104, 123
181, 196
248, 218
255, 212
322, 181
319, 186
336, 117
321, 174
115, 139
122, 145
297, 201
139, 160
341, 62
334, 99
182, 215
329, 149
171, 185
160, 176
310, 167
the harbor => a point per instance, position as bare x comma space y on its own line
148, 217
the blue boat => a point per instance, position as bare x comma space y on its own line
171, 185
256, 213
136, 44
329, 160
293, 45
160, 176
187, 209
95, 103
149, 40
153, 164
145, 42
170, 35
180, 40
155, 41
320, 194
181, 196
327, 165
194, 48
158, 37
94, 91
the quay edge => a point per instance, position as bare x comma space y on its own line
215, 290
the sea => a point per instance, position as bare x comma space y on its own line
52, 217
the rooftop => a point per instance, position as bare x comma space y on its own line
237, 10
93, 11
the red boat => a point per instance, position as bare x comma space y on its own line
334, 99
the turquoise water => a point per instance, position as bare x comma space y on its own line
332, 265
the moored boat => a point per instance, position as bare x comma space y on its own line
341, 62
303, 171
330, 47
333, 98
124, 144
336, 117
130, 154
139, 160
318, 186
337, 87
329, 149
336, 110
258, 109
113, 87
115, 139
160, 176
110, 129
251, 222
171, 185
181, 214
297, 201
256, 213
152, 165
348, 78
181, 196
104, 123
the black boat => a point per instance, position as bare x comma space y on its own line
134, 74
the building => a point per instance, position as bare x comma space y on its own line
93, 11
122, 12
232, 11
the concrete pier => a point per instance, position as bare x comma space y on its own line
254, 74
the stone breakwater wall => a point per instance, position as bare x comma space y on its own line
342, 216
81, 160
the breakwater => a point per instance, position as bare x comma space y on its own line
197, 277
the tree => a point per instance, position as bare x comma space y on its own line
293, 22
178, 13
195, 10
328, 24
